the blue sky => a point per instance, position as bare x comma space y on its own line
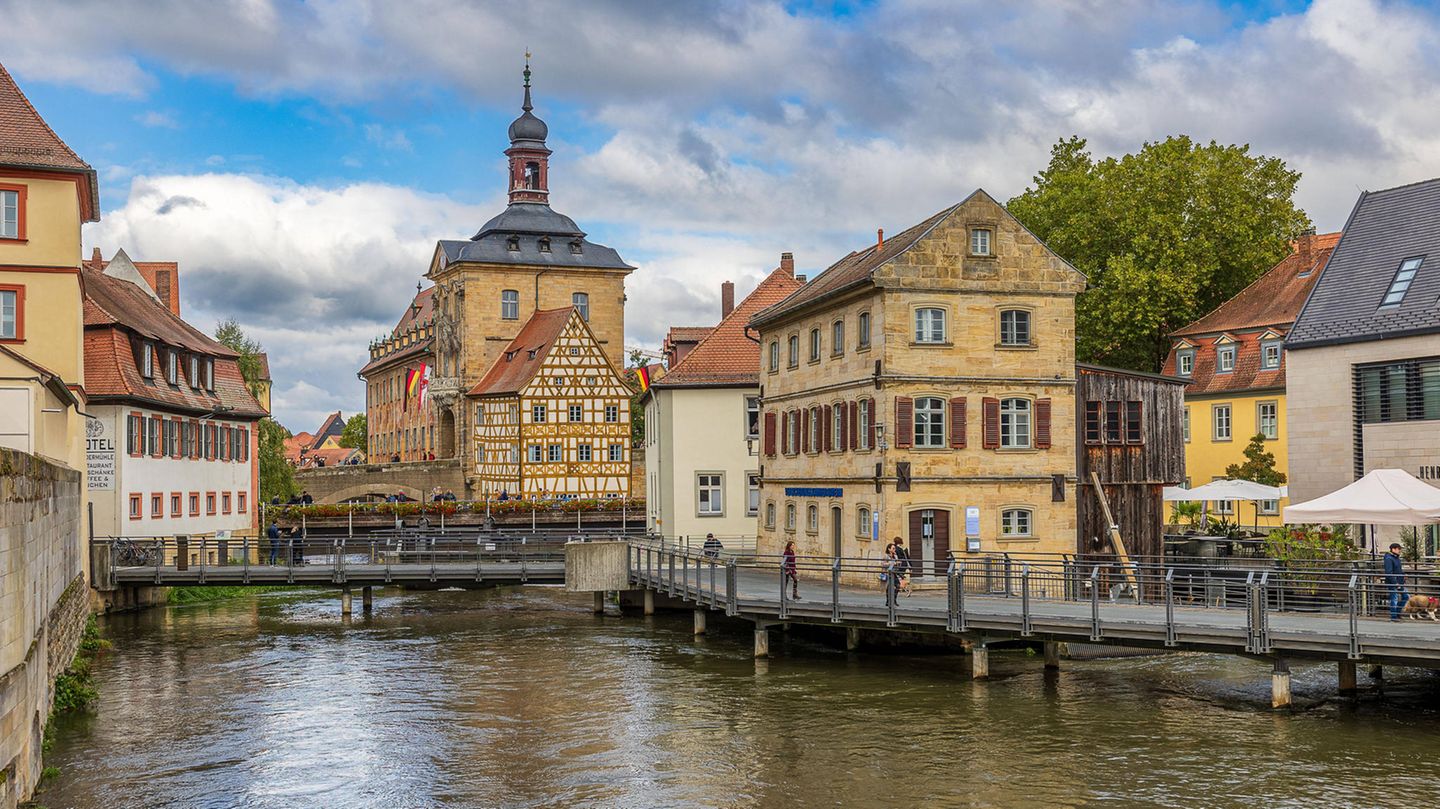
300, 159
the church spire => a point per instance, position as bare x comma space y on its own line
529, 158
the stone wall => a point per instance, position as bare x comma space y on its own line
44, 602
337, 484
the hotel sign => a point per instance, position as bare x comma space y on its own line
99, 456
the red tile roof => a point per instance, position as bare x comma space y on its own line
149, 270
420, 310
264, 360
112, 301
726, 357
687, 334
1248, 375
417, 349
26, 141
524, 355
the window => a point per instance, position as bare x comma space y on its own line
585, 453
194, 374
1015, 423
792, 432
513, 244
581, 301
752, 416
769, 515
929, 422
930, 325
617, 453
815, 434
1092, 422
172, 439
1014, 327
789, 516
862, 331
543, 244
537, 414
209, 373
157, 506
240, 503
1269, 354
774, 356
147, 361
575, 247
862, 424
862, 521
1224, 507
710, 497
152, 436
752, 494
1185, 362
1185, 424
577, 412
225, 503
1113, 426
1016, 522
509, 304
1403, 277
194, 499
814, 345
837, 338
980, 241
793, 355
1267, 416
12, 214
534, 455
1134, 427
612, 414
135, 510
812, 519
135, 434
1225, 359
175, 504
554, 455
12, 313
1220, 422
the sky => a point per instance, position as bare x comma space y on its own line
301, 159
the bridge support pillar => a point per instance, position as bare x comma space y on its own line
1052, 654
1280, 684
980, 661
699, 622
649, 602
762, 640
852, 639
1347, 677
345, 608
367, 599
599, 602
1377, 673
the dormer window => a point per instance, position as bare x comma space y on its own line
1403, 278
209, 374
172, 367
147, 361
1270, 354
575, 247
544, 244
194, 375
1185, 362
513, 244
1225, 359
509, 355
531, 354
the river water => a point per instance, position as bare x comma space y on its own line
525, 699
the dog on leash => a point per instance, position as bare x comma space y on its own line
1423, 605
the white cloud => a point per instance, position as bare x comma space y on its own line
158, 119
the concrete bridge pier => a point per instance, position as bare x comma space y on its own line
367, 599
700, 617
1052, 655
1280, 684
762, 639
345, 602
980, 660
852, 639
599, 602
1347, 677
649, 602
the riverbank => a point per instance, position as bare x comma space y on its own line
179, 596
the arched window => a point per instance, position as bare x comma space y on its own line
815, 433
1016, 522
862, 425
930, 325
774, 356
837, 426
1014, 422
1014, 327
812, 519
789, 516
862, 521
581, 301
509, 304
814, 345
794, 353
769, 515
929, 422
862, 336
532, 176
837, 338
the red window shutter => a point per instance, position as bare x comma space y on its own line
1042, 424
990, 412
957, 422
904, 421
828, 439
769, 435
852, 435
874, 436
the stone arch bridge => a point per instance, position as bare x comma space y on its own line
416, 480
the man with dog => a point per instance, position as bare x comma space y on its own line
1395, 580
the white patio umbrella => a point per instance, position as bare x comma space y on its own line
1382, 497
1226, 490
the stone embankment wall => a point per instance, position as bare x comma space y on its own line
44, 601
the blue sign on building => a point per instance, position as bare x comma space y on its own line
813, 491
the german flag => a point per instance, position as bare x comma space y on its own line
642, 375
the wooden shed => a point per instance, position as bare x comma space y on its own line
1129, 432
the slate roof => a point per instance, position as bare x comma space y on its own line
1274, 299
334, 424
515, 366
529, 223
1385, 228
726, 357
26, 141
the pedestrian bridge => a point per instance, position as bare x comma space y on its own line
1259, 608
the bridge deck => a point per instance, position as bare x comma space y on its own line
356, 574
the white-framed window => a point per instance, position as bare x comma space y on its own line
929, 422
752, 416
585, 453
793, 355
1185, 362
576, 412
209, 373
980, 241
1220, 422
157, 505
929, 325
769, 515
1403, 278
862, 424
862, 521
147, 361
1225, 359
752, 494
862, 331
1015, 327
509, 304
581, 301
9, 314
9, 214
1270, 507
814, 345
789, 516
774, 356
837, 338
617, 453
792, 432
837, 426
1267, 416
1185, 423
709, 495
812, 519
1015, 423
612, 414
194, 371
537, 414
555, 453
815, 434
1269, 354
1016, 522
172, 367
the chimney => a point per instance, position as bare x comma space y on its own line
879, 239
95, 259
1305, 243
727, 299
787, 263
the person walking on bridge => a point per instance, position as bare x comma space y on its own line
1395, 580
274, 533
712, 547
790, 569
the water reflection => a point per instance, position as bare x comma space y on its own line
524, 699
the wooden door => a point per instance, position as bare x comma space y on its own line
928, 541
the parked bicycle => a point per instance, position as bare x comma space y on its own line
129, 553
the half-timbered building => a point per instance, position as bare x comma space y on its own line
552, 415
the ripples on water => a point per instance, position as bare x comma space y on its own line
525, 699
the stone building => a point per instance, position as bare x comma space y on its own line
400, 422
552, 415
1363, 383
1235, 360
927, 374
528, 258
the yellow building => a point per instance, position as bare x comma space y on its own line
46, 193
1234, 358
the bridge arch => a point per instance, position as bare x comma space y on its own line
361, 490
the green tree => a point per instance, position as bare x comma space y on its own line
355, 433
1164, 236
1259, 466
230, 335
277, 477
